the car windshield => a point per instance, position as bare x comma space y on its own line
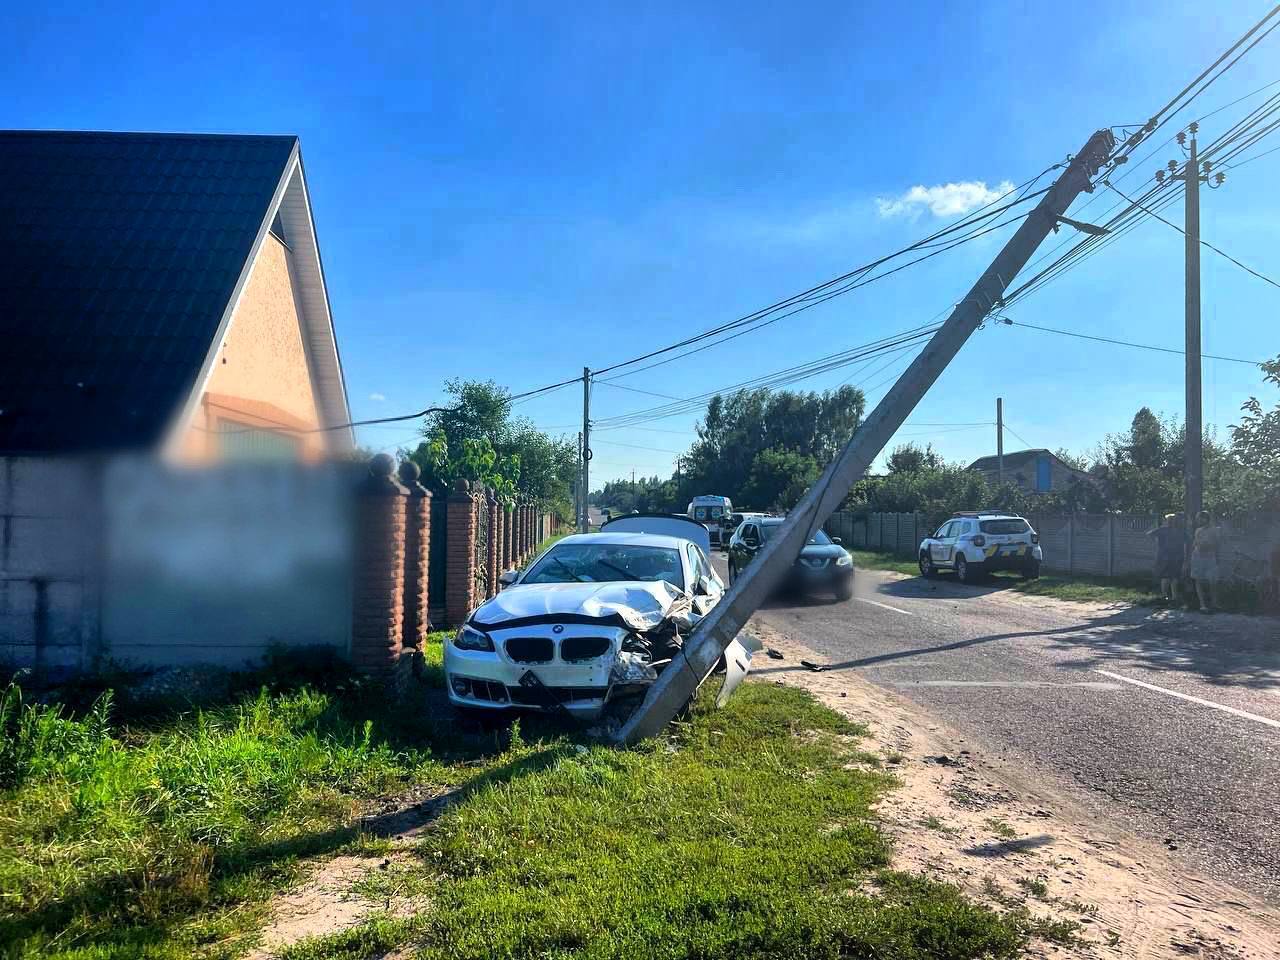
1004, 526
607, 562
819, 539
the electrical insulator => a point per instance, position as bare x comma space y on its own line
1195, 128
1159, 176
1182, 137
1173, 166
1218, 178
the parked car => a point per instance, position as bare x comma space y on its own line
592, 620
974, 544
823, 565
732, 522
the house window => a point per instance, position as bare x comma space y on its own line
242, 441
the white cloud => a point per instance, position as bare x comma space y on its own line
377, 397
948, 200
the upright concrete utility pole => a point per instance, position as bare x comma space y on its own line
586, 451
1000, 437
1194, 451
704, 646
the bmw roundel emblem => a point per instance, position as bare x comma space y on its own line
558, 628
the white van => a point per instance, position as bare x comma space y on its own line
710, 511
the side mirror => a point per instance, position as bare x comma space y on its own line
703, 587
508, 577
836, 540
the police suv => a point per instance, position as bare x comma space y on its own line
973, 544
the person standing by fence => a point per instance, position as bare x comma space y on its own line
1204, 560
1170, 551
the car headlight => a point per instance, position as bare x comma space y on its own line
469, 638
844, 560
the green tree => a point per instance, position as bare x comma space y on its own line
779, 478
1255, 446
477, 439
912, 458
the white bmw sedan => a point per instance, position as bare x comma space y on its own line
595, 617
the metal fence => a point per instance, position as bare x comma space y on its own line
1097, 544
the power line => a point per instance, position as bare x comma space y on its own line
636, 446
1123, 343
824, 291
1206, 243
1020, 439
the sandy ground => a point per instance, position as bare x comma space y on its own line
965, 816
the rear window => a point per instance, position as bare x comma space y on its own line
1004, 526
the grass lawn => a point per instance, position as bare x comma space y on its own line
1096, 589
744, 832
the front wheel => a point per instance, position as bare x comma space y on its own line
844, 590
927, 569
964, 573
1031, 570
733, 574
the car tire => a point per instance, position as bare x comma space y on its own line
964, 570
733, 574
927, 569
1031, 570
844, 591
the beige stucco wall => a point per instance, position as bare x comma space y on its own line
260, 377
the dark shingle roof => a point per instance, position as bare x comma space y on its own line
1012, 461
118, 256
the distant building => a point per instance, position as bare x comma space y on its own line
1036, 471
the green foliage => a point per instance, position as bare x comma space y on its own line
123, 841
1255, 443
478, 440
912, 458
779, 478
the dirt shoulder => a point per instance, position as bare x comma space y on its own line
969, 817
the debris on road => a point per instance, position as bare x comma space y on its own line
774, 654
815, 667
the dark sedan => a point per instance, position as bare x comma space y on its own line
823, 565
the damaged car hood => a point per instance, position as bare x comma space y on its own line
636, 605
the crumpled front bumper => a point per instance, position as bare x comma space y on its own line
490, 680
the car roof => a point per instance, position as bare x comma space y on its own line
637, 539
970, 515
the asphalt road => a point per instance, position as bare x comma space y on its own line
1166, 723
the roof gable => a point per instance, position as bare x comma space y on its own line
120, 255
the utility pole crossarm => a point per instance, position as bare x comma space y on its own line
705, 645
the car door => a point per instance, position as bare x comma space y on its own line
938, 545
701, 572
748, 543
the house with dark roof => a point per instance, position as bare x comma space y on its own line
1036, 471
171, 401
163, 292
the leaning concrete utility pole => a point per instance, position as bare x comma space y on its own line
705, 645
586, 452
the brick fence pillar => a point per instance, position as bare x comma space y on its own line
460, 586
508, 554
489, 504
417, 554
377, 598
525, 533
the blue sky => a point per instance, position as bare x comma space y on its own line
516, 191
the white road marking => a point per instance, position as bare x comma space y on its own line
1022, 684
1186, 696
884, 606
